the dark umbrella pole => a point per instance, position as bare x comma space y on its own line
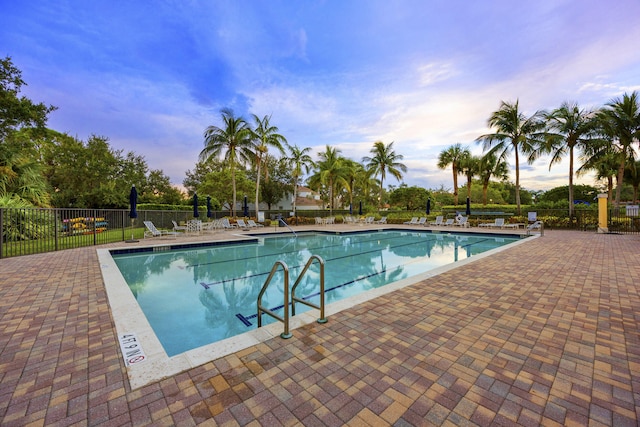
468, 207
196, 214
133, 212
209, 213
245, 207
428, 206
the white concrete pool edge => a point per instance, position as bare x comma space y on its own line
129, 318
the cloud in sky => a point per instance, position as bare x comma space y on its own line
424, 74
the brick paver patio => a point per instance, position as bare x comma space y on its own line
546, 333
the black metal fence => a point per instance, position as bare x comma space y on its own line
624, 220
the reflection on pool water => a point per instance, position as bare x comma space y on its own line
200, 295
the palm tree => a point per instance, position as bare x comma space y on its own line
330, 173
384, 160
233, 141
620, 123
355, 173
453, 156
570, 128
632, 176
301, 163
603, 159
491, 166
470, 167
264, 135
514, 132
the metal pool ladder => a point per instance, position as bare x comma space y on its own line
285, 319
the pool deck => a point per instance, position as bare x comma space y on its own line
545, 333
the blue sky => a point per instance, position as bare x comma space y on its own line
152, 75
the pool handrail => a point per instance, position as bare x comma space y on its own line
295, 299
287, 225
285, 319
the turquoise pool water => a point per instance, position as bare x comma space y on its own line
202, 294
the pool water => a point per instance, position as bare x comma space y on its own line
200, 295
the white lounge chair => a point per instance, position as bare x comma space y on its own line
448, 222
382, 220
152, 231
438, 220
251, 223
413, 221
538, 225
177, 227
462, 221
422, 221
498, 223
241, 224
226, 225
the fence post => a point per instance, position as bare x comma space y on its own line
603, 221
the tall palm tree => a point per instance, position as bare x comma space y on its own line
301, 162
453, 156
514, 132
355, 173
620, 123
233, 142
470, 167
264, 135
602, 158
330, 173
491, 166
570, 128
632, 176
384, 160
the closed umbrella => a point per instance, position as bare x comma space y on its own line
133, 212
468, 207
196, 214
209, 213
360, 209
245, 207
428, 206
350, 209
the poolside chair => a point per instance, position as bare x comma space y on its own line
461, 221
214, 225
319, 221
382, 220
251, 223
413, 221
538, 225
152, 231
448, 222
243, 225
438, 220
226, 225
498, 223
422, 221
177, 227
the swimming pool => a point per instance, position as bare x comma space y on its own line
195, 296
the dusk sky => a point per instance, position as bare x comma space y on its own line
152, 75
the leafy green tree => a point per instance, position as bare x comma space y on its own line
581, 192
159, 189
21, 174
412, 198
619, 122
603, 160
514, 132
215, 185
233, 142
384, 159
454, 156
301, 163
17, 111
264, 135
570, 128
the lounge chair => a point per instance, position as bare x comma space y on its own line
214, 225
498, 223
438, 220
382, 220
177, 227
448, 222
413, 221
462, 221
251, 223
241, 224
422, 221
152, 231
226, 225
319, 221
